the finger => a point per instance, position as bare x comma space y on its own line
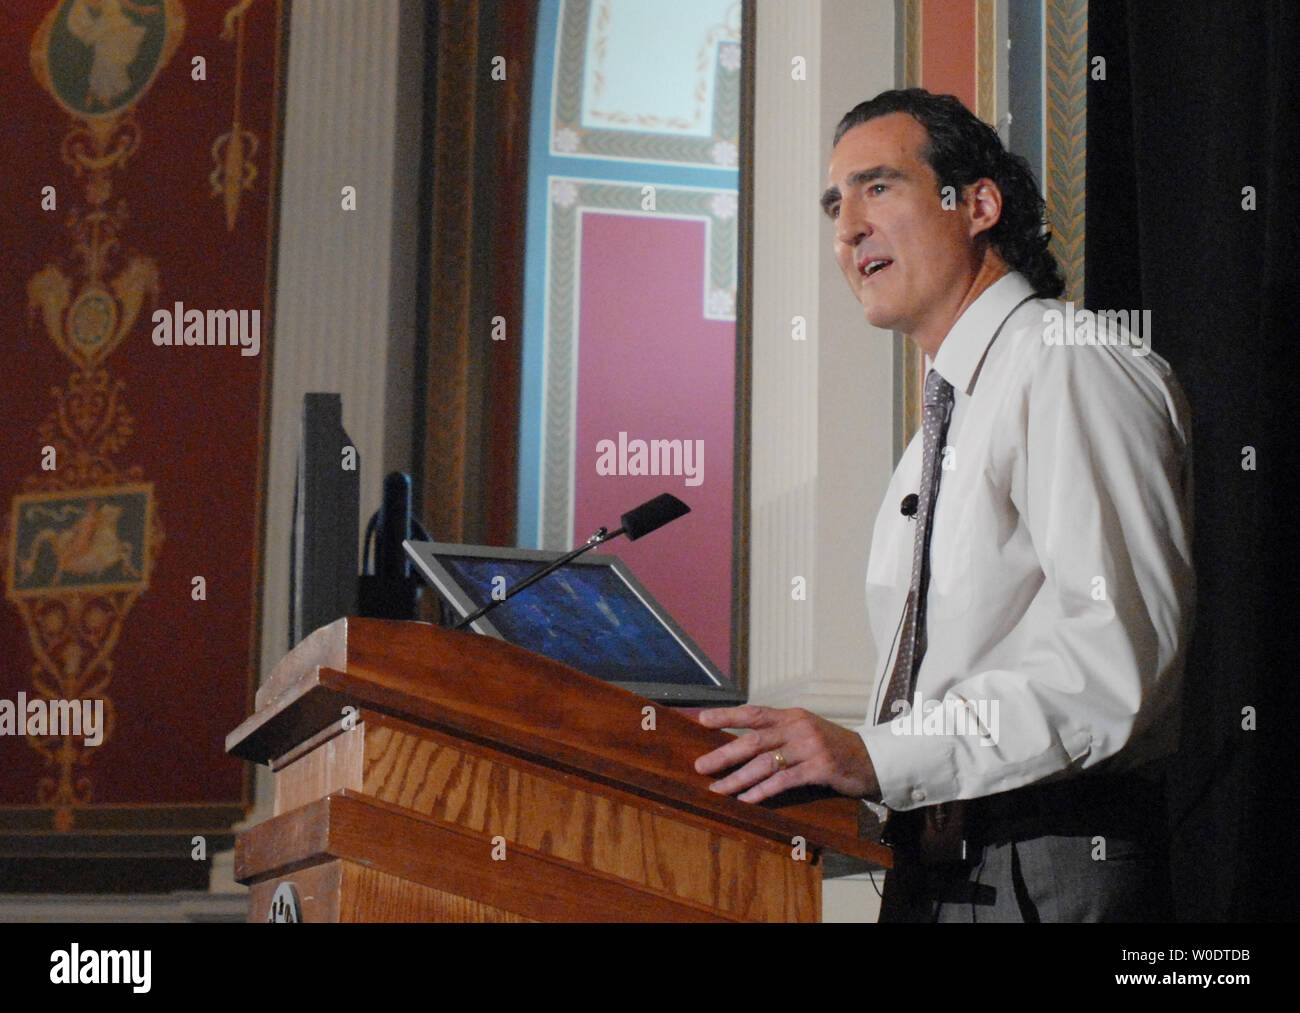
748, 716
761, 766
782, 780
736, 751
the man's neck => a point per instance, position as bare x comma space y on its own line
991, 269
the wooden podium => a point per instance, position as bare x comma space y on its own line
423, 774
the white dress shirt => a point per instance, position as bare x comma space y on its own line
1061, 583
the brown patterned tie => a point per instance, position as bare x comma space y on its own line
911, 649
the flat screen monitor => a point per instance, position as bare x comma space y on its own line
591, 614
326, 510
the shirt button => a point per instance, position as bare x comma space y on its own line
918, 795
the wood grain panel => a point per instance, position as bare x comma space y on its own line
369, 895
463, 743
495, 694
333, 765
607, 830
446, 858
340, 891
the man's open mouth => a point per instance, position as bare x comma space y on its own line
872, 267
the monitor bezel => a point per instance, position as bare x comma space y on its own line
722, 694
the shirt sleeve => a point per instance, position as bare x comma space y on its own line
1101, 481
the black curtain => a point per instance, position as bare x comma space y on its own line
1200, 101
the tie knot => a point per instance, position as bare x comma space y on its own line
938, 391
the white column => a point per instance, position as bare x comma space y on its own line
346, 282
345, 307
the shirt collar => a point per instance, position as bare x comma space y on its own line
962, 351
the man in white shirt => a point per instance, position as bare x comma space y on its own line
1022, 783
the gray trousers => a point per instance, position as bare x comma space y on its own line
1040, 879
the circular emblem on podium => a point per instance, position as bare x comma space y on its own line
285, 906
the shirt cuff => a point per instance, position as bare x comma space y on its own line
912, 770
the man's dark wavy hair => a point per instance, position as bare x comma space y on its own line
962, 149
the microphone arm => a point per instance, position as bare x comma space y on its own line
649, 516
601, 535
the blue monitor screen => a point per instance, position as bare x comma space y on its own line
583, 616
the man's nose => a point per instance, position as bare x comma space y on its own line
851, 227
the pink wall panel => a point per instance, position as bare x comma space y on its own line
651, 366
948, 48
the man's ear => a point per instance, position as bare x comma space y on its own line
985, 202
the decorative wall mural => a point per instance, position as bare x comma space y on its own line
632, 266
233, 152
648, 82
132, 472
73, 574
1066, 147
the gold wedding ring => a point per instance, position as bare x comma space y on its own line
778, 761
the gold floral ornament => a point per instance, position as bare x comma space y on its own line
234, 150
82, 537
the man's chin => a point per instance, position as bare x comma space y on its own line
878, 316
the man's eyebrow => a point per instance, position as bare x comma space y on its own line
832, 193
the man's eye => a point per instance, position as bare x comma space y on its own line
878, 188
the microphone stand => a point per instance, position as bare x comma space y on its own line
602, 535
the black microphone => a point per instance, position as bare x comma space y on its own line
909, 505
390, 591
646, 518
393, 527
652, 516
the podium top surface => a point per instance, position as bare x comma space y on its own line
496, 694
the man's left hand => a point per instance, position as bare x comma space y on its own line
787, 749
